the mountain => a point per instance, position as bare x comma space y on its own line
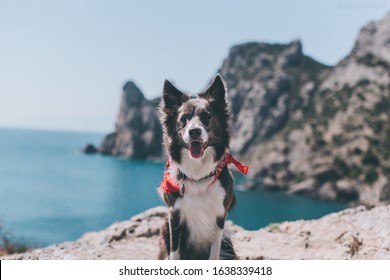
302, 126
338, 146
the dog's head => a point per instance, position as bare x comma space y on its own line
195, 123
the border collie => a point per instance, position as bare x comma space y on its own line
197, 185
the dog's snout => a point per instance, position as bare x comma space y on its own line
195, 133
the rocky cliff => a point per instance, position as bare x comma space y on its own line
337, 147
302, 126
269, 84
138, 132
356, 233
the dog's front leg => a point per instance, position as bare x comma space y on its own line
175, 232
215, 249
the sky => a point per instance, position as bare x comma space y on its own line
63, 63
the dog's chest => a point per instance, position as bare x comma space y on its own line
199, 211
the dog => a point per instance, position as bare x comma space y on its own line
197, 185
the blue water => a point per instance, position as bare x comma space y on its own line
50, 192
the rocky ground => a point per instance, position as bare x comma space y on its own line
356, 233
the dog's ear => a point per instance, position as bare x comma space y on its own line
172, 96
216, 92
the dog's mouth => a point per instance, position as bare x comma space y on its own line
197, 148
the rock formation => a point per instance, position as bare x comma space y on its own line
356, 233
269, 84
138, 132
302, 126
89, 149
337, 147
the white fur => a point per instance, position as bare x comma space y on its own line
201, 203
174, 255
193, 124
215, 250
197, 168
200, 209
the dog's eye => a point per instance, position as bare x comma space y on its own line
205, 117
183, 120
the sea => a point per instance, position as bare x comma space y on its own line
50, 192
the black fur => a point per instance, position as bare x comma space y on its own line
226, 180
221, 222
218, 126
176, 228
216, 95
172, 99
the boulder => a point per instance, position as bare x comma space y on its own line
89, 149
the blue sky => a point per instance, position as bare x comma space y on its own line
63, 63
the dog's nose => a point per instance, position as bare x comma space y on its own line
195, 132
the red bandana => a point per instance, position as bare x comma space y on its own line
169, 186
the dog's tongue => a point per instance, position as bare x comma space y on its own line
196, 149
